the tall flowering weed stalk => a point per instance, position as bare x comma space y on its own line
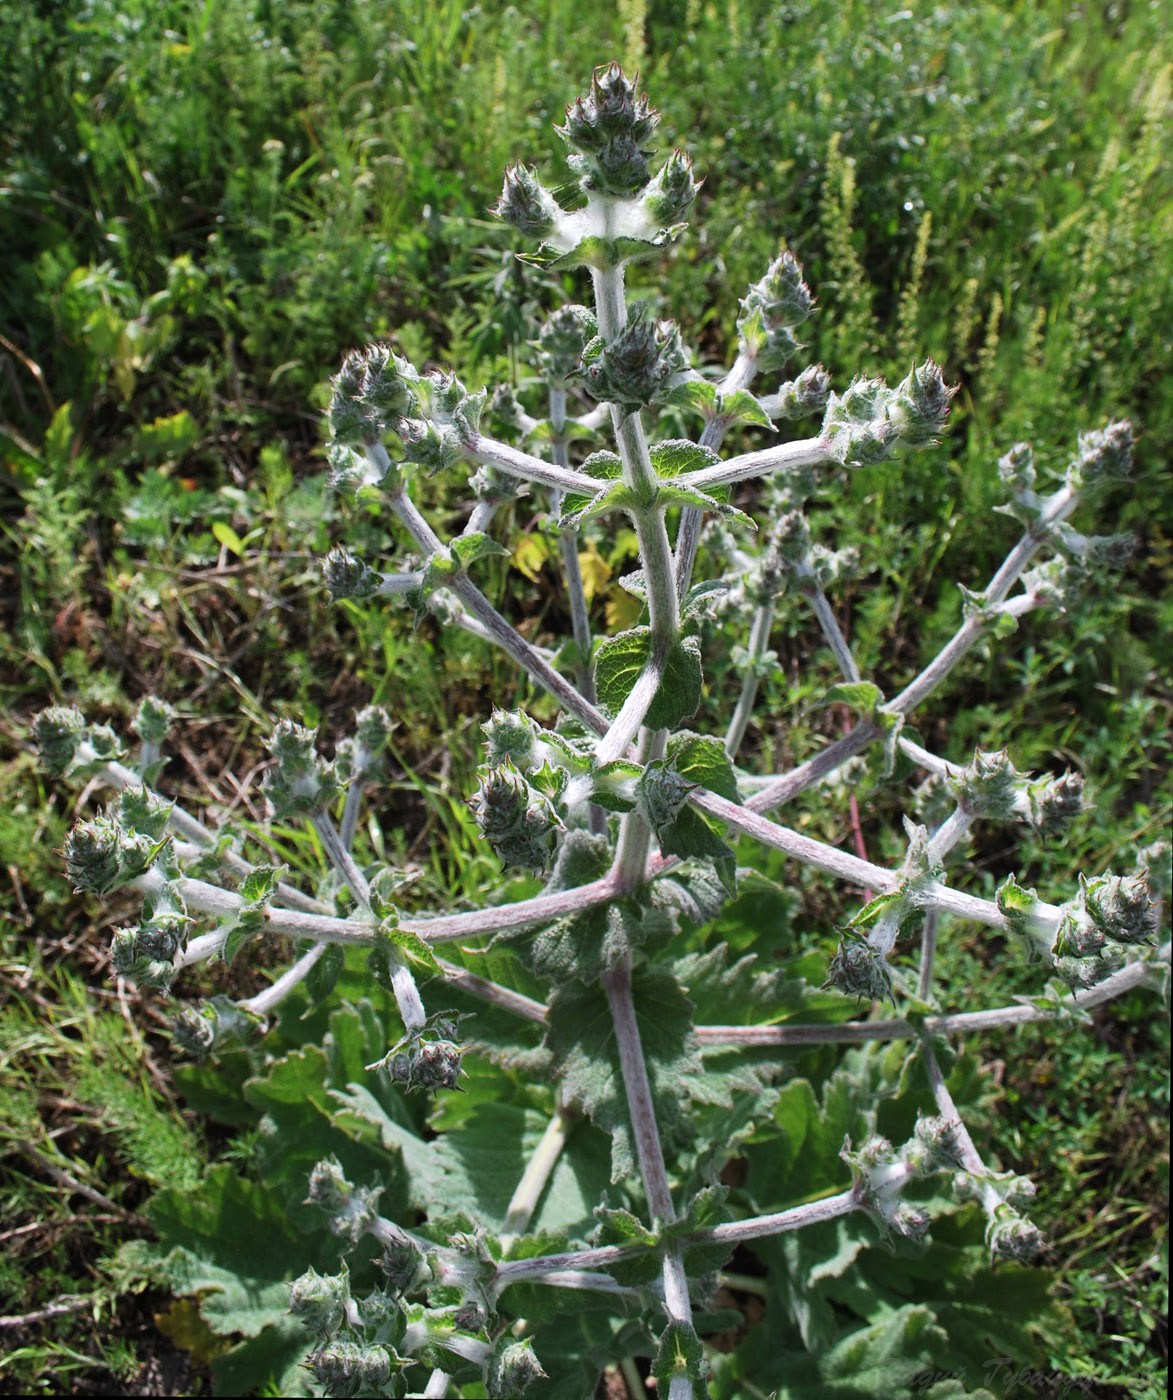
625, 1034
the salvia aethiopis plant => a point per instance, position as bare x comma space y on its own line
597, 1001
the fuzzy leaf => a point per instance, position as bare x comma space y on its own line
580, 1033
620, 661
679, 455
469, 548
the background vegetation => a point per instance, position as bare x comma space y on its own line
204, 203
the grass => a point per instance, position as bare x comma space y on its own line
204, 205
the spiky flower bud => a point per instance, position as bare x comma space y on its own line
512, 735
1012, 1237
608, 128
1017, 468
512, 1367
518, 821
989, 786
561, 341
434, 446
144, 955
352, 1210
405, 1266
153, 719
59, 731
345, 1368
208, 1025
301, 782
920, 405
671, 194
527, 204
347, 576
1122, 905
1054, 802
371, 392
771, 310
639, 365
859, 970
319, 1301
94, 855
139, 809
935, 1146
858, 425
806, 394
1105, 454
362, 755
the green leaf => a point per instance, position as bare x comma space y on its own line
467, 549
241, 928
678, 455
580, 1032
620, 661
675, 493
611, 782
260, 884
323, 976
702, 759
228, 537
861, 696
742, 407
576, 508
680, 1353
412, 948
696, 393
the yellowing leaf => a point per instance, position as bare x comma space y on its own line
531, 553
622, 609
595, 571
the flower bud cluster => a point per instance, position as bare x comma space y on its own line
145, 953
347, 576
363, 754
803, 395
352, 1210
1009, 1234
1105, 454
880, 1173
771, 311
115, 847
377, 391
301, 782
859, 970
69, 745
561, 342
608, 129
373, 390
153, 720
428, 1057
343, 1368
639, 366
1109, 915
517, 819
991, 787
792, 557
211, 1025
866, 424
